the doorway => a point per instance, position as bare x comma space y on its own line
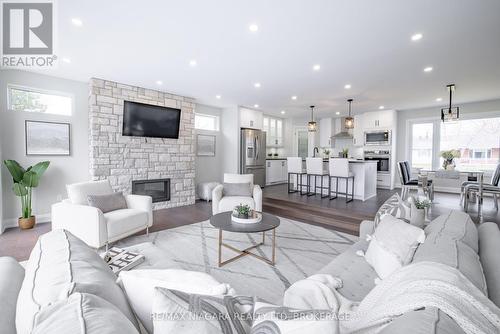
302, 142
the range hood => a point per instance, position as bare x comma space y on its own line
344, 133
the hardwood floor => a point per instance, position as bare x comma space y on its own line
335, 214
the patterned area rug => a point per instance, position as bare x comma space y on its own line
301, 251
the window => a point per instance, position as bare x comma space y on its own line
421, 145
206, 122
35, 100
478, 141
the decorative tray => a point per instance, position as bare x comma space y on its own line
255, 217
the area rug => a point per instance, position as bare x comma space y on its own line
301, 250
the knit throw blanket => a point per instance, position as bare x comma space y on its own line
413, 287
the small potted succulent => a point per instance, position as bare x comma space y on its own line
418, 209
242, 211
344, 153
449, 158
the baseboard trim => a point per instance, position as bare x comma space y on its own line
12, 222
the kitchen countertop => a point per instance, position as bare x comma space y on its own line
277, 158
352, 160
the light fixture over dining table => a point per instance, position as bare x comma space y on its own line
451, 113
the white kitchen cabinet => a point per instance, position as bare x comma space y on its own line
384, 119
252, 119
274, 131
384, 181
276, 171
358, 132
326, 131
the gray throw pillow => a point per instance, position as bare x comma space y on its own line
237, 189
107, 203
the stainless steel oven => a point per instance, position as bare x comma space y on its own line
383, 159
381, 137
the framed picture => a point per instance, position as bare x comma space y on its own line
47, 138
205, 145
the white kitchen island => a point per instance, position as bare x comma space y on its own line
365, 179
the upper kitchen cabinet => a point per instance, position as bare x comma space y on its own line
384, 119
252, 119
358, 131
274, 131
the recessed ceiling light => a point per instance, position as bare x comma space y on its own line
66, 60
253, 27
417, 37
159, 82
348, 86
337, 113
428, 69
255, 105
439, 99
193, 63
77, 22
316, 67
283, 112
218, 97
256, 85
294, 97
381, 107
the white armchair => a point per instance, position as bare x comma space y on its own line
94, 227
221, 203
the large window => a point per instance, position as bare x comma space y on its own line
478, 141
37, 100
421, 145
206, 122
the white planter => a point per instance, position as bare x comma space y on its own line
417, 216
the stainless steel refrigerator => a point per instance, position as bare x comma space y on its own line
253, 155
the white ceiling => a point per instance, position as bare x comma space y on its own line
364, 43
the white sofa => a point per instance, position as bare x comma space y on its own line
94, 227
221, 203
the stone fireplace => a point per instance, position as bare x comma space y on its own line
158, 189
125, 161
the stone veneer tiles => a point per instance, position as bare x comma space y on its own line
121, 159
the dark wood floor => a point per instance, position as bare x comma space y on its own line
335, 214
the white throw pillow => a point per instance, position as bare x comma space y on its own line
268, 318
393, 245
139, 286
82, 313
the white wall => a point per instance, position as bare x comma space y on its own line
62, 170
230, 131
209, 168
467, 110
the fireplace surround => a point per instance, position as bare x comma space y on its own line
158, 189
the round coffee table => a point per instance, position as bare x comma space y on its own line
223, 222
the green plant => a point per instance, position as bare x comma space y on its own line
24, 182
242, 210
450, 154
326, 151
421, 203
345, 152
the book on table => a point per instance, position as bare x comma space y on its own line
120, 259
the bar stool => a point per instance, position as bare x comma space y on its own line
294, 166
314, 168
339, 169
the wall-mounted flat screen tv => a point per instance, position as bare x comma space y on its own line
145, 120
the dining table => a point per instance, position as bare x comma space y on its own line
480, 180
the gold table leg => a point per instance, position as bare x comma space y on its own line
246, 251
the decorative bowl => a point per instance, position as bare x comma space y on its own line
254, 217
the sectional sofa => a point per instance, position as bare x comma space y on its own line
64, 270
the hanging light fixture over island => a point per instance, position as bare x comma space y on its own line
312, 125
349, 120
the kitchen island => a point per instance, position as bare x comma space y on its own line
365, 179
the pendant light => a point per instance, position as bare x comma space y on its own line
312, 125
450, 114
349, 120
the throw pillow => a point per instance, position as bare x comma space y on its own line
278, 319
107, 203
237, 189
139, 286
82, 313
393, 245
181, 313
394, 206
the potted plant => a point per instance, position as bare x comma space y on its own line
449, 156
326, 153
418, 207
345, 153
242, 211
24, 182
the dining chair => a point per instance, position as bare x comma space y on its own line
408, 184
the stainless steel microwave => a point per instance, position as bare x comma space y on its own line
380, 138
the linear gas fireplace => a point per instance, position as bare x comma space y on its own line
158, 189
